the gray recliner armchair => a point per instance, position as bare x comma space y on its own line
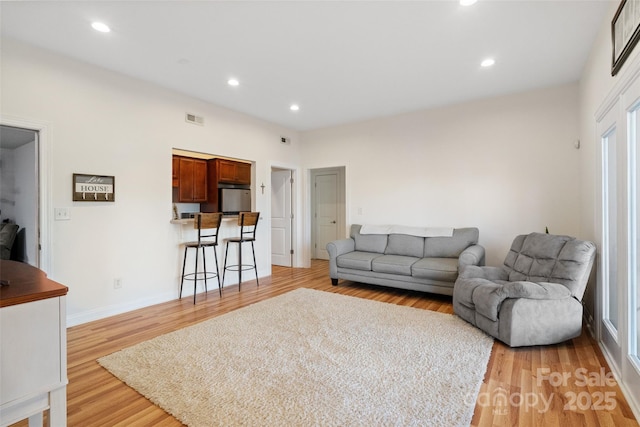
535, 297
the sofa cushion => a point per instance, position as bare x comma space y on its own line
405, 245
368, 242
357, 260
450, 247
394, 264
445, 269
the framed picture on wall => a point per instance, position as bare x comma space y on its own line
93, 188
625, 32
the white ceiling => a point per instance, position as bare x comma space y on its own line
11, 137
341, 61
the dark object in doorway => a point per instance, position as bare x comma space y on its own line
8, 232
19, 249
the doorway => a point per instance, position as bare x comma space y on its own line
328, 216
282, 217
19, 192
41, 190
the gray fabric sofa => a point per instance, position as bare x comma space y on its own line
535, 297
429, 264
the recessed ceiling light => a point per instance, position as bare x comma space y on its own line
467, 2
233, 82
487, 62
99, 26
294, 107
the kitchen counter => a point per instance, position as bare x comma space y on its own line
189, 221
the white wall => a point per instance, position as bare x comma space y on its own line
104, 123
596, 82
506, 165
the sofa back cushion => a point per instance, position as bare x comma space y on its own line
539, 257
405, 245
368, 242
451, 247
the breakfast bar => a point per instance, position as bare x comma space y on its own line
228, 229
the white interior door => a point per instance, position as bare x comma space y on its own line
281, 217
327, 213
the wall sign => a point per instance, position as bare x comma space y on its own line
625, 32
93, 188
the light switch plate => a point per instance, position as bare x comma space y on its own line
62, 214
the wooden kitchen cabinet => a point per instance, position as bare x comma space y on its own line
192, 180
175, 168
223, 171
230, 172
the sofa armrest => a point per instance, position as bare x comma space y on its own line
473, 255
335, 249
481, 272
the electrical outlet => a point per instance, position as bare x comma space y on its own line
62, 214
117, 283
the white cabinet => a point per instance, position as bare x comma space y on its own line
33, 357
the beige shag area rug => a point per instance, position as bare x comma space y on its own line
310, 358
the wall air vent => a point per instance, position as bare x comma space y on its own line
192, 118
285, 141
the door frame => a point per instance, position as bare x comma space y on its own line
617, 350
342, 208
45, 178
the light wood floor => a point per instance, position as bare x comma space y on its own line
514, 391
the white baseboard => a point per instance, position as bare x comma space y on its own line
632, 400
112, 310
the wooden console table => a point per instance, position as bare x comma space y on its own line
33, 346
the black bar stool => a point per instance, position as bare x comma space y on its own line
248, 222
208, 225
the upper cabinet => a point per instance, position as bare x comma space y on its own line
231, 172
191, 179
223, 171
195, 180
175, 176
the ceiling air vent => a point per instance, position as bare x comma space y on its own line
192, 118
